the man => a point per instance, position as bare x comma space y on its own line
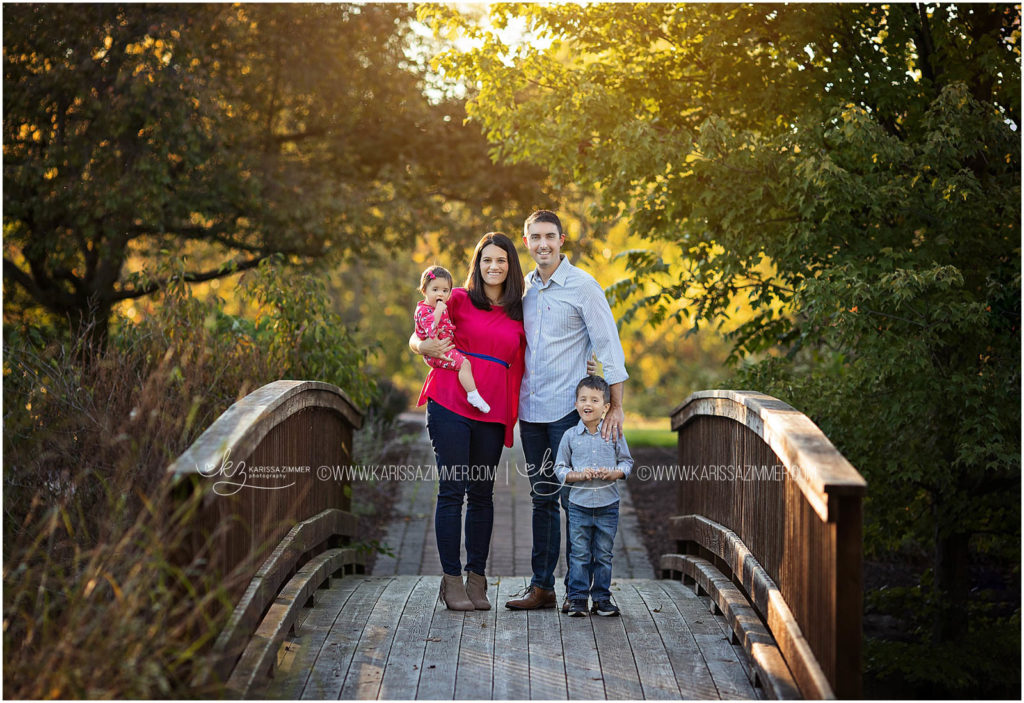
567, 318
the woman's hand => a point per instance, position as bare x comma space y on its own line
434, 347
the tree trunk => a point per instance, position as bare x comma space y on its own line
90, 326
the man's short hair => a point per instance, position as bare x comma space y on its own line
543, 216
595, 383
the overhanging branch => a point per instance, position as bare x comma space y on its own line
150, 288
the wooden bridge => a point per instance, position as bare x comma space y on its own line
762, 597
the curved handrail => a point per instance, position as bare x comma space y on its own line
267, 583
770, 668
245, 424
764, 596
809, 457
270, 497
800, 526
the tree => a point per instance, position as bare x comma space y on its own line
225, 134
868, 158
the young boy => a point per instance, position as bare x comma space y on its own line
592, 465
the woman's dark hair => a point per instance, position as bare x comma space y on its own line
512, 290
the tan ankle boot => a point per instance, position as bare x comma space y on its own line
476, 589
453, 594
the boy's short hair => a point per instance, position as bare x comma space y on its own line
595, 383
543, 216
433, 272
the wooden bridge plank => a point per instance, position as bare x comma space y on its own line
367, 668
691, 671
511, 679
405, 660
741, 655
759, 646
298, 653
441, 654
630, 554
387, 564
412, 555
730, 678
348, 647
328, 672
547, 660
475, 675
583, 677
621, 677
657, 678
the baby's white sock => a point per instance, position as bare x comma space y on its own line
477, 402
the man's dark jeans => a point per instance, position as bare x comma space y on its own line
540, 444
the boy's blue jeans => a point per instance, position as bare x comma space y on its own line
592, 534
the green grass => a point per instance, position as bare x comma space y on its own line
642, 437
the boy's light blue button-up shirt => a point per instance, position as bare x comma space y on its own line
566, 320
581, 450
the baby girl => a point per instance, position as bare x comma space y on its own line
432, 321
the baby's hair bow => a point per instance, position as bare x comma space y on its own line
431, 275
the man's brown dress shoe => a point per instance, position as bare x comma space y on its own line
535, 598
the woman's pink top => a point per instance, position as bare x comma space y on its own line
491, 333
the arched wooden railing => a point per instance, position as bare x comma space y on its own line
766, 499
271, 473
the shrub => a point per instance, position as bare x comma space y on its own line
99, 598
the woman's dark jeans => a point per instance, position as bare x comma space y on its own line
467, 453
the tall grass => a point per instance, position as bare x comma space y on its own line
122, 618
101, 600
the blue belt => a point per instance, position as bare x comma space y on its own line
485, 357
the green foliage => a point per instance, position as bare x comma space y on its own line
301, 334
373, 546
853, 173
967, 668
227, 133
389, 403
134, 405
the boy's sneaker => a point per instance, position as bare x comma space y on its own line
578, 609
606, 608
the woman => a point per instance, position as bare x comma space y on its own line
488, 318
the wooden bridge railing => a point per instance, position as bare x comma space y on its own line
270, 471
769, 502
